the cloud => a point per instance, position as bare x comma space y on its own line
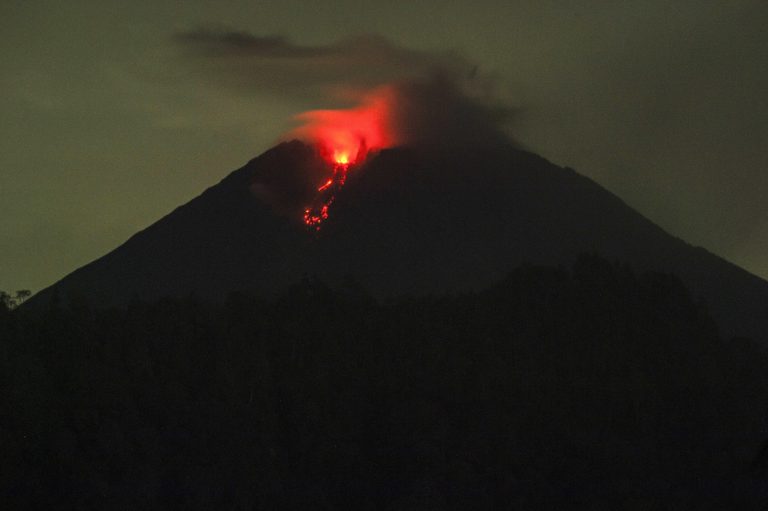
224, 42
442, 110
366, 94
431, 97
273, 64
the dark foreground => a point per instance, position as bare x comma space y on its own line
587, 388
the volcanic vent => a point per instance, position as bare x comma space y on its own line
344, 139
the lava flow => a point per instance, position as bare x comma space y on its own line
344, 138
317, 213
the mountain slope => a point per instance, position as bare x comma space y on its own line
410, 220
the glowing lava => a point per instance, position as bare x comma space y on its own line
317, 213
344, 138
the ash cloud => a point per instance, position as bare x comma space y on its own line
438, 97
226, 42
246, 61
439, 110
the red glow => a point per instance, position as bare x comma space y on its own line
344, 138
316, 213
342, 158
314, 219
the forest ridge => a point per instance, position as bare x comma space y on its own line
557, 388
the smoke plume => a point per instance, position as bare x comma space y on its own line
395, 95
372, 95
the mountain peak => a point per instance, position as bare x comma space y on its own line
408, 220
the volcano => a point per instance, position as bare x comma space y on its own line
409, 220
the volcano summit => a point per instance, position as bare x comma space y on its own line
409, 220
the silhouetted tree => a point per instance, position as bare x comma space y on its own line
22, 295
6, 301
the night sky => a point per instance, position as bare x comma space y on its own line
114, 114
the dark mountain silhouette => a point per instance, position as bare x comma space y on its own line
576, 382
410, 220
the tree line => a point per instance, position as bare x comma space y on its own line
589, 387
8, 301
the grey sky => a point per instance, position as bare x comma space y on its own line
106, 126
